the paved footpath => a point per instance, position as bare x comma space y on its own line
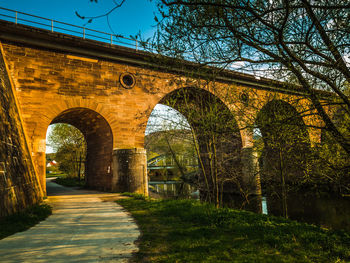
86, 226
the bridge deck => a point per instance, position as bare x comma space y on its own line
32, 36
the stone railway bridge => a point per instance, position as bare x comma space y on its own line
108, 93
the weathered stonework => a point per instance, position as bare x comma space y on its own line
99, 138
130, 166
60, 78
19, 186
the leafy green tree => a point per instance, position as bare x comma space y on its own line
333, 164
305, 40
172, 139
70, 147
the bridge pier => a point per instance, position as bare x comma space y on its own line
39, 160
250, 171
130, 171
250, 163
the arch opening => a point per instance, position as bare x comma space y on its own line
172, 161
99, 145
66, 152
217, 141
283, 146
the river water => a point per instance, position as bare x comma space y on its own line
174, 189
327, 212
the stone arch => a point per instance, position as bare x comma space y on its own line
99, 139
282, 114
50, 111
214, 126
37, 122
285, 148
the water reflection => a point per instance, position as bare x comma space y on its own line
173, 189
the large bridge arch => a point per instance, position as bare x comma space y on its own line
280, 113
99, 139
285, 149
207, 113
58, 110
216, 131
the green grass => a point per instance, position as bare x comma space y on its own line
69, 181
188, 231
22, 221
55, 174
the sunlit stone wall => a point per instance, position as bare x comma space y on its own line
19, 187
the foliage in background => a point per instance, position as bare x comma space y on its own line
332, 161
70, 147
188, 231
288, 163
215, 139
174, 150
22, 221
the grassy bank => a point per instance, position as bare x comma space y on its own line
187, 231
55, 174
23, 220
69, 181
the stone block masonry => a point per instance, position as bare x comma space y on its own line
19, 186
108, 93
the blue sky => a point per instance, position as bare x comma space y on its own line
132, 17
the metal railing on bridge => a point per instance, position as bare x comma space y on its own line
62, 27
87, 33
